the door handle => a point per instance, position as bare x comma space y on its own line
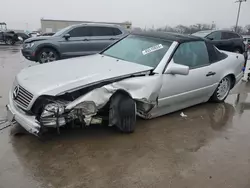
112, 39
210, 73
85, 39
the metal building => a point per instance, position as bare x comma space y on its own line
48, 25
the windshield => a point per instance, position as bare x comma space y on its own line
202, 33
58, 33
140, 50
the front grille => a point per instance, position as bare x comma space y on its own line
22, 97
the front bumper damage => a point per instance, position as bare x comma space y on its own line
143, 89
27, 122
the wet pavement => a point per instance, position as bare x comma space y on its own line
209, 148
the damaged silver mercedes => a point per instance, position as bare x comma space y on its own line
146, 74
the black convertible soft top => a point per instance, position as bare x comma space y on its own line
180, 38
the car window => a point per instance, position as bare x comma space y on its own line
102, 31
60, 32
202, 33
229, 35
215, 35
140, 50
80, 32
214, 54
192, 54
116, 31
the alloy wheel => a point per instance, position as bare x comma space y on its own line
224, 88
8, 42
47, 56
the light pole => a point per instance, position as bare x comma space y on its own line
238, 15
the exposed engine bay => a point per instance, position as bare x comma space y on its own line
90, 105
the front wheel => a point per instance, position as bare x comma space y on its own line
122, 113
9, 41
47, 55
222, 90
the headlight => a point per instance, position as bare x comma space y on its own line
87, 107
20, 38
28, 45
52, 110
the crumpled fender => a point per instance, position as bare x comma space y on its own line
142, 88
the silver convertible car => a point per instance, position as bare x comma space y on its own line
148, 74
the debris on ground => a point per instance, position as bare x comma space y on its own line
183, 115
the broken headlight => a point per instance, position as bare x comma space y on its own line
52, 109
87, 107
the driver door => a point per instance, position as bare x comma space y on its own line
181, 91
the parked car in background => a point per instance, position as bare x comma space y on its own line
72, 41
7, 36
23, 35
48, 34
147, 74
225, 40
34, 34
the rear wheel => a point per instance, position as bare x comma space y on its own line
47, 55
122, 113
222, 90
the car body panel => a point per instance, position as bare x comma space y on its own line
75, 73
230, 44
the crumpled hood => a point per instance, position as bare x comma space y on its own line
60, 76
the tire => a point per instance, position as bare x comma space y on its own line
47, 55
122, 113
9, 41
222, 90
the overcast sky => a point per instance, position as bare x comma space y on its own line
20, 14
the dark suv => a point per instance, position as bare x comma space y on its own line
225, 40
72, 41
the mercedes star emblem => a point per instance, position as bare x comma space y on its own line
15, 92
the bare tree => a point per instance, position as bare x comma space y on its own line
181, 29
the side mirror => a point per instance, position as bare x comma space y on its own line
66, 36
174, 68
